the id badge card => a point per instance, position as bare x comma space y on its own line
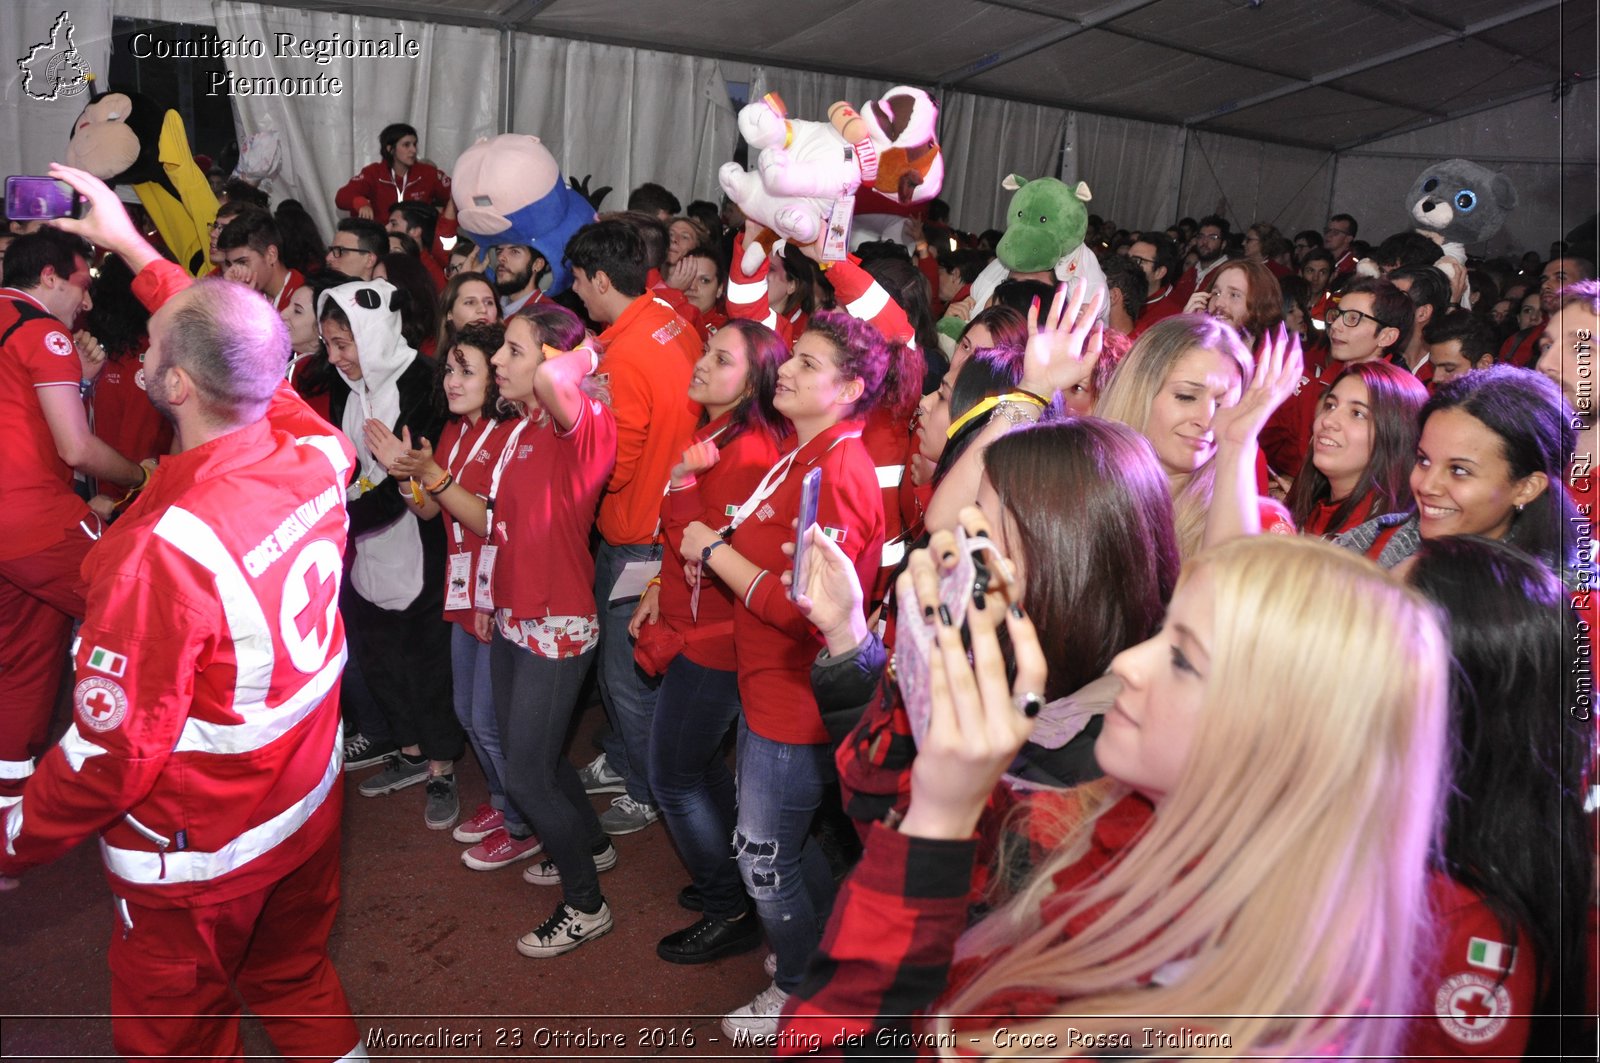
483, 586
458, 585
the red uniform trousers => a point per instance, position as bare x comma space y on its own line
178, 973
40, 595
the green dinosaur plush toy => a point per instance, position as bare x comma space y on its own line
1045, 224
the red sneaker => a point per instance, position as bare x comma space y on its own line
500, 849
483, 823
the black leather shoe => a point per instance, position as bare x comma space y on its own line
711, 939
689, 897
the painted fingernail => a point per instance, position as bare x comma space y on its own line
1016, 611
949, 555
978, 597
927, 613
944, 616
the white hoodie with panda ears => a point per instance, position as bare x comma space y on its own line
388, 565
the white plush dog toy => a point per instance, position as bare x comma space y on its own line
802, 169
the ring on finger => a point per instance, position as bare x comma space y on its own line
1028, 703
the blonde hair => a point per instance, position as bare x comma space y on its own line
1139, 379
1283, 881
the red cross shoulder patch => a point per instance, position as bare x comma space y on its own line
100, 703
1471, 1008
57, 343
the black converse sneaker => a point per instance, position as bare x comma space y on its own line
564, 931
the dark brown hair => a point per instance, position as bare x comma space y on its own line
1094, 515
1394, 396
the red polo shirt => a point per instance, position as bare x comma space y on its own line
36, 499
469, 454
711, 499
543, 513
1158, 308
776, 644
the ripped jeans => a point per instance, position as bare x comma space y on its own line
780, 787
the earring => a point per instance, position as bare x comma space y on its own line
1519, 507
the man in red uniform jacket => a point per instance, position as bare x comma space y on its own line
45, 529
205, 745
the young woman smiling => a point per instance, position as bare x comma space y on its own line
1363, 445
1493, 445
471, 444
685, 633
1169, 388
827, 388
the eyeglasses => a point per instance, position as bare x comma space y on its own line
339, 252
1210, 238
1351, 318
1143, 261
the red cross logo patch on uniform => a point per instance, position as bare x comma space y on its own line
58, 343
100, 703
310, 605
1472, 1008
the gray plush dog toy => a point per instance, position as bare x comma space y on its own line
1461, 201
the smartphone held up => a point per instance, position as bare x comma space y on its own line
41, 199
810, 490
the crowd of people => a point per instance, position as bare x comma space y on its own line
1213, 644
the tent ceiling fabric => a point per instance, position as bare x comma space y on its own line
1326, 75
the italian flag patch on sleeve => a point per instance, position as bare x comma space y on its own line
836, 534
1491, 955
103, 660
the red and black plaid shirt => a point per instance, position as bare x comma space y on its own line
885, 957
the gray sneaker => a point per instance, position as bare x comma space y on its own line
444, 808
545, 872
627, 815
397, 774
598, 778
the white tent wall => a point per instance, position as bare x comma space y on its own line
326, 139
1548, 149
33, 132
664, 117
1247, 181
1132, 168
984, 139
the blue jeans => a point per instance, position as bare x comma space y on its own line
534, 700
474, 701
780, 788
695, 706
628, 694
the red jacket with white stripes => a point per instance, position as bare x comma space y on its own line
854, 290
205, 743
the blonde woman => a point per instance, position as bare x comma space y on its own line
1170, 387
1250, 871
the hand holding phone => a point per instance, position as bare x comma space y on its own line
810, 492
41, 199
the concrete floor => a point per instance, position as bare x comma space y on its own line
421, 943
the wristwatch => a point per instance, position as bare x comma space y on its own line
705, 555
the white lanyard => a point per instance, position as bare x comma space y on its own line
499, 471
450, 463
773, 480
